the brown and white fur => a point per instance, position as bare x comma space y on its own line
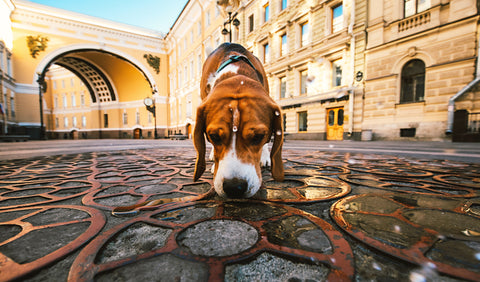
238, 117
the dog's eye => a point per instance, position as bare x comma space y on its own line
215, 138
257, 139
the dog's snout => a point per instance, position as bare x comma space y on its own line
235, 187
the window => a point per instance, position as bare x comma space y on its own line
125, 118
84, 121
54, 85
105, 120
250, 23
412, 7
64, 100
302, 121
283, 46
304, 34
82, 98
266, 53
137, 118
283, 87
55, 102
63, 83
266, 12
413, 82
12, 107
189, 106
65, 121
72, 83
207, 16
74, 121
73, 100
56, 122
337, 73
283, 4
303, 82
337, 18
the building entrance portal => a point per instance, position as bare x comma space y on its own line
335, 119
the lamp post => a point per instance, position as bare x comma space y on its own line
232, 20
41, 89
150, 105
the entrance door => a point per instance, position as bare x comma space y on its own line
137, 133
335, 123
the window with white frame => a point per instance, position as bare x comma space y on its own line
84, 121
303, 82
189, 106
72, 98
125, 118
64, 100
266, 52
302, 121
304, 34
74, 121
412, 7
65, 122
283, 87
337, 18
283, 45
251, 23
82, 98
12, 106
337, 73
266, 12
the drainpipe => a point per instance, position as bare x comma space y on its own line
451, 101
352, 70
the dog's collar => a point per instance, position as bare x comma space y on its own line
234, 59
237, 58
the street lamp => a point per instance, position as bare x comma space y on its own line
150, 105
41, 89
232, 20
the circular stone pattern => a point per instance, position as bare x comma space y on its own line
217, 238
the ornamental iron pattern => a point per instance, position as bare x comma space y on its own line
137, 214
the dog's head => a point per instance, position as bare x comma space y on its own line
238, 118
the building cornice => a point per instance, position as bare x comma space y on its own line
46, 19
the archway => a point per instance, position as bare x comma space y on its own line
108, 83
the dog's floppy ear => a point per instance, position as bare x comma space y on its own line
199, 143
276, 153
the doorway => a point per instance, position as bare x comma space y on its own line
335, 119
137, 133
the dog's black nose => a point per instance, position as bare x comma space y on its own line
235, 188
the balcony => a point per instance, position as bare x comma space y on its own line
414, 21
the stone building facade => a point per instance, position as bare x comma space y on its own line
340, 69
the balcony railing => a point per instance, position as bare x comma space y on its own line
414, 21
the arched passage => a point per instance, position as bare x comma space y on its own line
106, 88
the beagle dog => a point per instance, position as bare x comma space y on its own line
238, 117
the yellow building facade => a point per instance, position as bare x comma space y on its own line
339, 69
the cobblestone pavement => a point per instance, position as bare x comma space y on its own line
338, 216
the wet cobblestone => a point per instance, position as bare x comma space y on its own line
337, 216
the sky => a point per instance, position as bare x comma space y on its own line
157, 15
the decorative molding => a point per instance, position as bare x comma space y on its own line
153, 61
36, 44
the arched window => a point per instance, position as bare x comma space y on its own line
413, 82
